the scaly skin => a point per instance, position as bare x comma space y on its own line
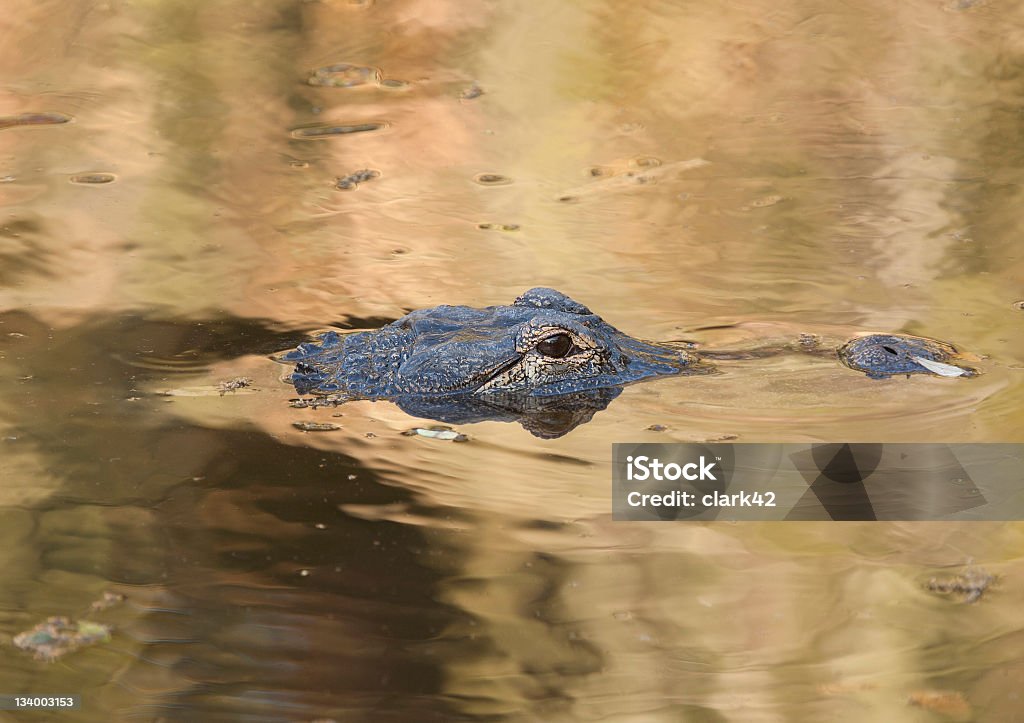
544, 344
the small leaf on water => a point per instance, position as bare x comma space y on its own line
437, 432
940, 368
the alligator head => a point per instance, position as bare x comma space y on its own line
543, 344
885, 355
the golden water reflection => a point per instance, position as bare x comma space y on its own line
736, 174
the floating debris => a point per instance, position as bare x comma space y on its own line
352, 180
1019, 306
58, 636
626, 169
969, 585
317, 402
349, 75
765, 202
943, 370
344, 75
847, 687
492, 179
317, 426
809, 341
646, 162
109, 600
498, 226
473, 91
233, 384
608, 179
948, 702
329, 130
93, 178
722, 438
438, 431
33, 119
657, 428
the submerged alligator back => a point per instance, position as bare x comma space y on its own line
363, 364
885, 355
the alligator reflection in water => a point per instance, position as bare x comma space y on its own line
546, 361
545, 417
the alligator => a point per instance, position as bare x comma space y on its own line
545, 360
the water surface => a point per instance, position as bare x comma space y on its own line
736, 175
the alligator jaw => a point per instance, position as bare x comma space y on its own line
495, 372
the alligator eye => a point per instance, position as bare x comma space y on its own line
556, 346
889, 349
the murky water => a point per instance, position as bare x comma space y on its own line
186, 188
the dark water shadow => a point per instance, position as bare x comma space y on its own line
251, 591
264, 581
